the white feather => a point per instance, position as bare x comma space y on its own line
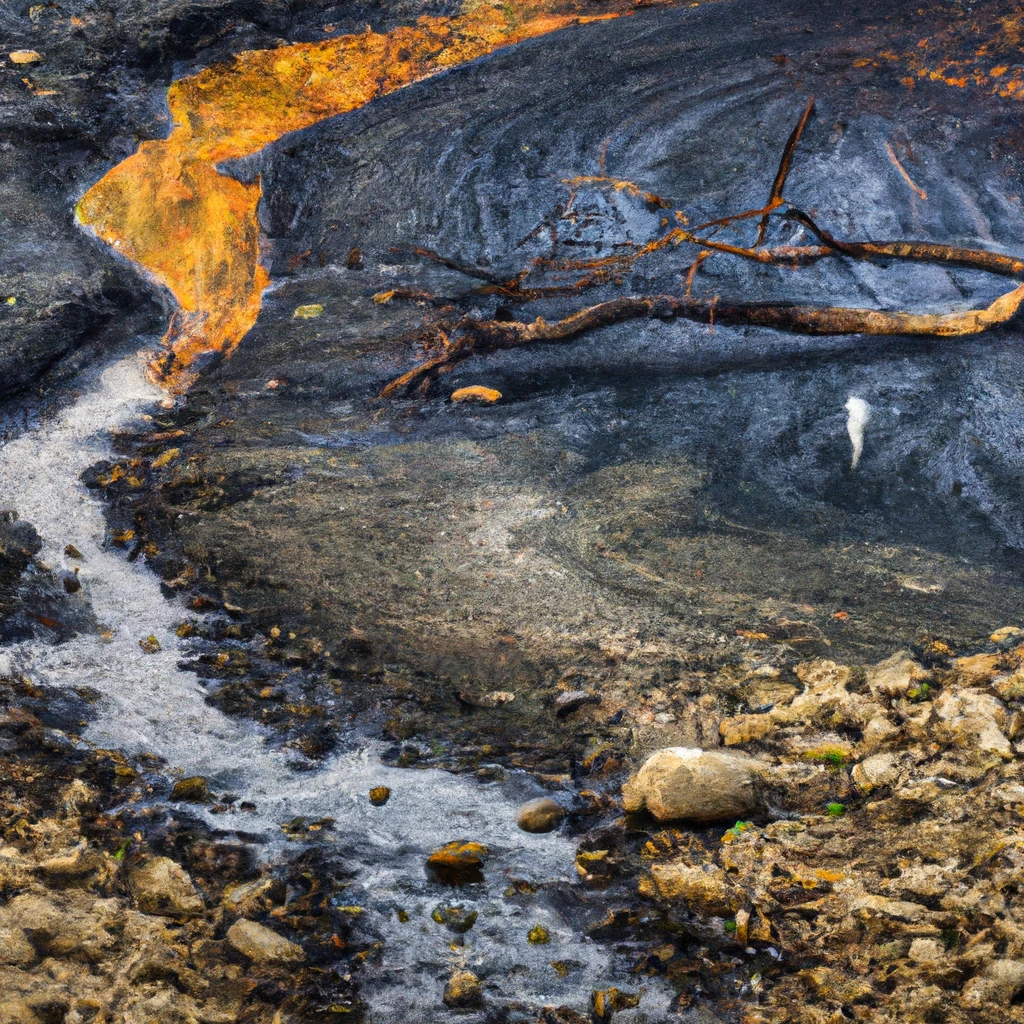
859, 413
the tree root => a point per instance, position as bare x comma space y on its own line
450, 341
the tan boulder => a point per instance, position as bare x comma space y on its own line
262, 944
875, 772
688, 784
159, 886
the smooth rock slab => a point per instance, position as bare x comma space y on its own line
262, 944
685, 784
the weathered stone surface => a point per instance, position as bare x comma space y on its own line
540, 815
682, 784
872, 772
702, 890
261, 944
194, 790
160, 886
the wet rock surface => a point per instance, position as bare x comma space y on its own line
111, 904
652, 539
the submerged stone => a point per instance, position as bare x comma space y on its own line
458, 863
262, 944
540, 815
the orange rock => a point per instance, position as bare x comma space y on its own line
485, 396
459, 862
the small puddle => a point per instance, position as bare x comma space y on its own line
151, 705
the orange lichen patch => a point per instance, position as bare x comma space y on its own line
476, 393
195, 230
970, 52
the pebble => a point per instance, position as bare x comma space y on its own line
463, 989
567, 703
540, 815
379, 796
261, 944
458, 863
481, 395
688, 784
194, 790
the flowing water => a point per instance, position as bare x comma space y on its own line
150, 704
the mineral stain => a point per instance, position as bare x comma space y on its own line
195, 230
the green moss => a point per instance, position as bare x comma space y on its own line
836, 810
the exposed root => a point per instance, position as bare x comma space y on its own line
451, 340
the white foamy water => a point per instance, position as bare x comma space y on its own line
149, 704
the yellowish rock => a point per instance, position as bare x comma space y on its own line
261, 944
478, 394
25, 57
309, 312
705, 891
159, 886
463, 989
688, 784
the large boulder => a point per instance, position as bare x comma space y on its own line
685, 784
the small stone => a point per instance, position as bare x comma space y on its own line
567, 703
926, 950
25, 57
308, 312
688, 784
261, 944
193, 790
1006, 633
159, 886
456, 919
379, 796
539, 935
480, 395
607, 1001
70, 551
540, 815
150, 645
15, 949
254, 897
458, 863
463, 989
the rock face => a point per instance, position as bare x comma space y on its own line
685, 784
261, 944
162, 887
540, 815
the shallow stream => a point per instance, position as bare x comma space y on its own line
151, 705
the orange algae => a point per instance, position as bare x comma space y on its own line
195, 230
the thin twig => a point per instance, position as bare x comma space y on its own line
775, 197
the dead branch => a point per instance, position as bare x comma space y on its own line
449, 341
480, 336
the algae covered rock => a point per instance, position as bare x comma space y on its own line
687, 784
463, 989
